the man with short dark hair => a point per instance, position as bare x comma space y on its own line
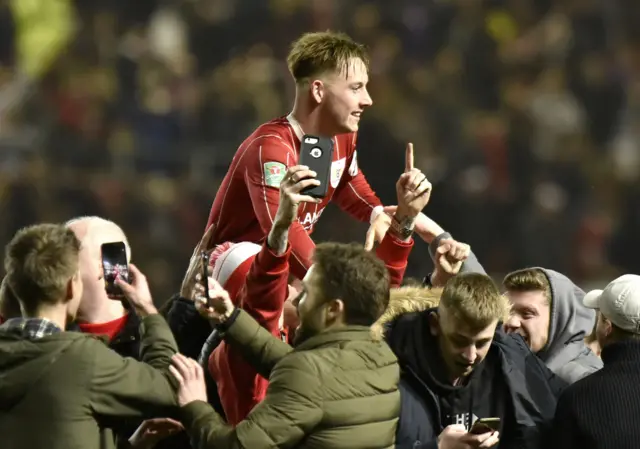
547, 311
601, 411
338, 388
70, 384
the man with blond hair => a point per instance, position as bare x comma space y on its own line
330, 71
459, 366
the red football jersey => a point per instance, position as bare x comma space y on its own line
247, 200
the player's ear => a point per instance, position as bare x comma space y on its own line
317, 90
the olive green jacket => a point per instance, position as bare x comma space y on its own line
65, 390
338, 389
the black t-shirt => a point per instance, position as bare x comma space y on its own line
481, 396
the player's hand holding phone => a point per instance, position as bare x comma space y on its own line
297, 178
296, 181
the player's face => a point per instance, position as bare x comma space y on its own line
347, 96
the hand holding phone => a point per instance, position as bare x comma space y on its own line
317, 154
485, 425
114, 265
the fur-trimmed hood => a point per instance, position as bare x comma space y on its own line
406, 300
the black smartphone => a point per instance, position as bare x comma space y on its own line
317, 154
484, 425
114, 264
204, 256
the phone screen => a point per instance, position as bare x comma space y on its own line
114, 264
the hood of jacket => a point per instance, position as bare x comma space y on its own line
566, 352
406, 300
23, 362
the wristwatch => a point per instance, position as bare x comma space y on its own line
402, 228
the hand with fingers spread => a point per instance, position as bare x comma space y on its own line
219, 306
137, 293
190, 377
152, 431
448, 260
195, 264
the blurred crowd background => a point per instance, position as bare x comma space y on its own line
525, 114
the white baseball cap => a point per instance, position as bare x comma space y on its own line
619, 302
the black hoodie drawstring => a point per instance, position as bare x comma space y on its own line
471, 393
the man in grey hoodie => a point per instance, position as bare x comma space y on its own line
547, 311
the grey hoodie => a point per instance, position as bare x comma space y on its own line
566, 353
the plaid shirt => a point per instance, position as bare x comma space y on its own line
33, 328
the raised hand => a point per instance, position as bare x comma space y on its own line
137, 293
295, 180
448, 259
219, 307
195, 264
413, 188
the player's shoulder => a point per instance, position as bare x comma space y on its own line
276, 130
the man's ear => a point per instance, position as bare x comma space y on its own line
607, 326
335, 311
434, 323
72, 285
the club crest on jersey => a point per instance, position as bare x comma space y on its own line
274, 173
337, 169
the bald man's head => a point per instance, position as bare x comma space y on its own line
93, 232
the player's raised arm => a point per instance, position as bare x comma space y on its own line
266, 163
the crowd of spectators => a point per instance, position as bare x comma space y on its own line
524, 115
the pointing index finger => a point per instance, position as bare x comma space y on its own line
408, 158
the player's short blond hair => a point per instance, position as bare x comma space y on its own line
321, 52
474, 299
